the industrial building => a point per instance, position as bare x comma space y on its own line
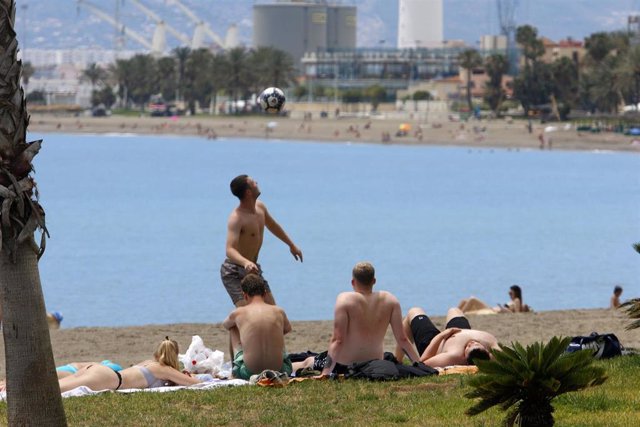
420, 24
298, 27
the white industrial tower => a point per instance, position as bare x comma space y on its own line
420, 24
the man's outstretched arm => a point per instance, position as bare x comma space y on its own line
275, 228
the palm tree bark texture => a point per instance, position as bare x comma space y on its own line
33, 394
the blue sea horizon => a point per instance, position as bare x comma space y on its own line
138, 224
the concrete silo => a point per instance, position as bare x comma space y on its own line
420, 23
341, 27
297, 27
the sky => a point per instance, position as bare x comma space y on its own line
62, 24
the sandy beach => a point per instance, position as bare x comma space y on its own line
129, 345
499, 133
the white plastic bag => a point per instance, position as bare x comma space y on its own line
199, 359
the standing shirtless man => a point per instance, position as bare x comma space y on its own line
245, 232
360, 323
256, 332
458, 344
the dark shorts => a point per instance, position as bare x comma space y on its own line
319, 361
423, 329
231, 275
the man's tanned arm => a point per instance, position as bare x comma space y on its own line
275, 228
400, 336
340, 324
434, 345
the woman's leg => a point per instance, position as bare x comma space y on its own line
96, 377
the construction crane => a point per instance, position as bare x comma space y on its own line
507, 22
157, 44
161, 23
201, 26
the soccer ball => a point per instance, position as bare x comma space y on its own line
271, 100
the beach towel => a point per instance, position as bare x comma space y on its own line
208, 385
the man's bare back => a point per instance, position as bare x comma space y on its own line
368, 319
262, 327
361, 320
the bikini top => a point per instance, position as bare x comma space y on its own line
152, 381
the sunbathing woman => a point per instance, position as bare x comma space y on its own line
473, 304
161, 371
73, 367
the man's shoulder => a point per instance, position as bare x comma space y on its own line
387, 296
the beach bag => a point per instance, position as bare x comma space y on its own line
417, 369
602, 346
377, 370
199, 359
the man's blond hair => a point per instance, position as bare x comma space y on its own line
364, 273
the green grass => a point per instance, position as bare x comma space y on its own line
433, 401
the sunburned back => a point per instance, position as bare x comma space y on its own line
368, 318
261, 328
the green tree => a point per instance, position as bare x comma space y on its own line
376, 94
627, 74
300, 92
239, 79
273, 67
167, 81
104, 96
352, 96
33, 394
598, 46
422, 95
143, 79
219, 76
528, 379
469, 59
198, 86
534, 83
27, 72
565, 85
181, 55
604, 90
496, 66
94, 74
120, 76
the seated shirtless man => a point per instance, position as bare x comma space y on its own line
256, 332
458, 344
360, 324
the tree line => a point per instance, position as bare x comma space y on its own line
194, 77
607, 77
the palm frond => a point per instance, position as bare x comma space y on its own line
525, 379
632, 310
636, 246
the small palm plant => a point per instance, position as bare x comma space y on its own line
527, 379
632, 307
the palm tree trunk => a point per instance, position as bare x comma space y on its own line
33, 394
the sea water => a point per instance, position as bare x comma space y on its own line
138, 224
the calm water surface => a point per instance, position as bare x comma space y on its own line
138, 224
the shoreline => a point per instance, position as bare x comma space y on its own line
495, 134
132, 344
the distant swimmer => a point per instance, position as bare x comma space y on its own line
245, 232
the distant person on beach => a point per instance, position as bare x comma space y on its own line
615, 298
360, 323
458, 344
474, 305
256, 332
162, 371
245, 232
53, 319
